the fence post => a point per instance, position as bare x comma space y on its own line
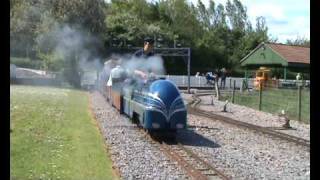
230, 83
260, 96
217, 90
234, 89
299, 102
183, 81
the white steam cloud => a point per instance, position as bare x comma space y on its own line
68, 43
152, 64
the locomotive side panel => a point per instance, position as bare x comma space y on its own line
116, 100
108, 93
126, 105
127, 99
138, 111
156, 106
116, 96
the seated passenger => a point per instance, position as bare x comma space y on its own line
210, 78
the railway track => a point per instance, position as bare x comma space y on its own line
192, 109
194, 165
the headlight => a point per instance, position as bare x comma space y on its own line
155, 125
179, 126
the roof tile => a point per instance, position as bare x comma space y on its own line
293, 54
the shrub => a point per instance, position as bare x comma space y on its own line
26, 62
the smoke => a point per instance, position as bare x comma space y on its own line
76, 48
152, 64
68, 43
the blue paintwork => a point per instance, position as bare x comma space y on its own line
158, 102
162, 99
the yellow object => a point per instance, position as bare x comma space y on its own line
262, 77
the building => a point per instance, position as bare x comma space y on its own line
295, 58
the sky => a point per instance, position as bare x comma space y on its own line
286, 19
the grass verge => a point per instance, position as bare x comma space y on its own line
54, 136
275, 100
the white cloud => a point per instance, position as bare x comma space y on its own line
286, 19
266, 10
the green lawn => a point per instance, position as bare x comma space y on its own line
274, 100
54, 136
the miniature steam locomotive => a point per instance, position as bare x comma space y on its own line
155, 105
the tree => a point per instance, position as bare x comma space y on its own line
299, 41
69, 32
218, 35
24, 18
204, 15
220, 17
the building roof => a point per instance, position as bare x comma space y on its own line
272, 54
293, 54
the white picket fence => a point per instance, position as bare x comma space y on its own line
200, 81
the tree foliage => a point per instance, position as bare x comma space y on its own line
219, 36
299, 41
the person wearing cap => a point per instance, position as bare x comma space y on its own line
145, 52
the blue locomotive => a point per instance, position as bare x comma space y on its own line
155, 105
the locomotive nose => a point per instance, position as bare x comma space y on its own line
165, 90
167, 102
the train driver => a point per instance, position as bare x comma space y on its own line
145, 52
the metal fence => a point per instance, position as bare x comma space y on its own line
200, 81
274, 97
241, 83
28, 76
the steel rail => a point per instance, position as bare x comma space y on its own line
191, 171
183, 157
208, 166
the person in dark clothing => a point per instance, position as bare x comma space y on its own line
210, 78
217, 76
145, 52
223, 75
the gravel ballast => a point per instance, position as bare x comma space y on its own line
251, 116
134, 157
243, 154
240, 153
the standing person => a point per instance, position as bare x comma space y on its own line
145, 52
223, 78
197, 74
217, 76
298, 77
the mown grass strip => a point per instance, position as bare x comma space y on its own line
275, 100
54, 136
